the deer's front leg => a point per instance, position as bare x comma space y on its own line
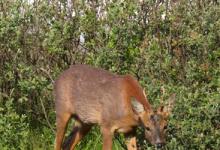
107, 138
131, 143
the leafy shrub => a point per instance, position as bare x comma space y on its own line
14, 128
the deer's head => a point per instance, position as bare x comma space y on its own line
155, 122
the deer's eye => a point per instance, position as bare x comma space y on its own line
147, 128
165, 127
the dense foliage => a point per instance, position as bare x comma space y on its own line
170, 44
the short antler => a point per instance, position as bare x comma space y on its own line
148, 106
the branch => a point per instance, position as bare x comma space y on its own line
46, 117
47, 73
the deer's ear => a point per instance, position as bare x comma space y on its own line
138, 107
167, 109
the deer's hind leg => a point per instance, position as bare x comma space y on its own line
78, 132
61, 123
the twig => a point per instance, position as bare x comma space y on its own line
47, 73
45, 114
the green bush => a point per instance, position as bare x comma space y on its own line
14, 128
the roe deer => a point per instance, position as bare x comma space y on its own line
115, 102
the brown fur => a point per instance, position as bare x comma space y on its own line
95, 96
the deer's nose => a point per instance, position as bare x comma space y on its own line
159, 145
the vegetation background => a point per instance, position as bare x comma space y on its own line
166, 44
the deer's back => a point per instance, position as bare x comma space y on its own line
94, 95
